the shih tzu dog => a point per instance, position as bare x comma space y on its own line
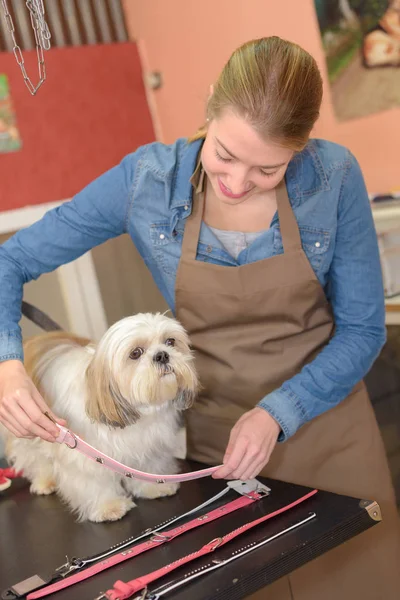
123, 396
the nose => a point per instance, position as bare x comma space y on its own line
238, 182
161, 357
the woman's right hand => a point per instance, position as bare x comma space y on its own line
21, 406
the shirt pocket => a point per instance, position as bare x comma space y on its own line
315, 244
166, 247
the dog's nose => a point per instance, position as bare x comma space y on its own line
161, 357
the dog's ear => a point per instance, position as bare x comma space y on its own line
104, 402
185, 398
189, 385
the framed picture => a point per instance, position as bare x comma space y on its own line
361, 42
10, 139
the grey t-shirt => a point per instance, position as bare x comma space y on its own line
235, 241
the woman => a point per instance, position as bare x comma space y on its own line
282, 298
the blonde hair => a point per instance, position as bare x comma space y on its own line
275, 85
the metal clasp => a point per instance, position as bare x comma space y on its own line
68, 567
141, 596
218, 541
9, 595
75, 440
160, 537
261, 490
250, 485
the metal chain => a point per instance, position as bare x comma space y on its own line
42, 39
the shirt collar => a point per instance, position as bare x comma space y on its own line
187, 164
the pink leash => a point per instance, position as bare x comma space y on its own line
74, 442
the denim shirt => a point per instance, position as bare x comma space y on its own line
149, 196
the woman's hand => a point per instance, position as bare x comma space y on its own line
250, 445
22, 407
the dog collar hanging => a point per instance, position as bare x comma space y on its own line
35, 582
123, 591
74, 442
250, 493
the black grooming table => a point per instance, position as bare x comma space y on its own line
36, 534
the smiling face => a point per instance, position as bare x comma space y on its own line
238, 163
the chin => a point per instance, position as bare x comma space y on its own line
124, 396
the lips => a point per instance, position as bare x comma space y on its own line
165, 370
228, 193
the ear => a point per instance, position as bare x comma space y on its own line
104, 402
211, 89
185, 398
189, 384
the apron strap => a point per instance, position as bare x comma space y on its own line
289, 228
191, 233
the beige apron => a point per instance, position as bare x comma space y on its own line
252, 328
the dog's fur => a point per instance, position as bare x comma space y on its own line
127, 407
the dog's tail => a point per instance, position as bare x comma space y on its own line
39, 318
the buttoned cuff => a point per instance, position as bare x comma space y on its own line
11, 346
287, 412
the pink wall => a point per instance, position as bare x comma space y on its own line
190, 40
89, 113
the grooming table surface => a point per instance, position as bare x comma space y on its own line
36, 534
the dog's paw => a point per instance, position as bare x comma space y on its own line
43, 486
111, 510
157, 490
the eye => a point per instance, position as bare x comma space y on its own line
217, 154
170, 342
136, 353
267, 174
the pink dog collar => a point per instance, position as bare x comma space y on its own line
5, 477
73, 441
63, 572
159, 538
123, 590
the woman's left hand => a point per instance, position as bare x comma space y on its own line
250, 445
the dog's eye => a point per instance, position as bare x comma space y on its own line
170, 342
136, 353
